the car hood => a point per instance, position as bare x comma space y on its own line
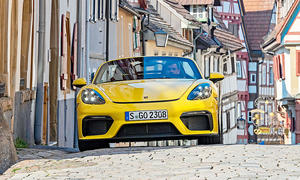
146, 90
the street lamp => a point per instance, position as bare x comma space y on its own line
161, 38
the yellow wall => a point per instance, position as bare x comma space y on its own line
152, 50
3, 40
291, 71
125, 34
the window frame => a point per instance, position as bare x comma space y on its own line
250, 80
239, 69
271, 77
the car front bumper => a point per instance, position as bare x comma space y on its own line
185, 119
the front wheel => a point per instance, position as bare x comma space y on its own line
93, 144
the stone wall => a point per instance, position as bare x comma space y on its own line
23, 119
8, 154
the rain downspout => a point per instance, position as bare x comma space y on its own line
40, 75
143, 35
87, 40
107, 29
195, 43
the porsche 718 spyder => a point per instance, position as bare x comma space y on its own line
147, 98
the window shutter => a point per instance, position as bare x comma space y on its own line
275, 68
64, 51
283, 66
279, 63
74, 55
298, 63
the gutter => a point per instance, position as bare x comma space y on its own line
40, 76
130, 10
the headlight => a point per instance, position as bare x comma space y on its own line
202, 91
90, 96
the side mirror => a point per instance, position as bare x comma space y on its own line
79, 83
215, 77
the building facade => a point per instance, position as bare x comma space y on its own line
230, 14
282, 44
259, 86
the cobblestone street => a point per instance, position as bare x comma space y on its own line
187, 162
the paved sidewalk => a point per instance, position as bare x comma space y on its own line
191, 162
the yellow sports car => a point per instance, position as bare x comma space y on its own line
147, 98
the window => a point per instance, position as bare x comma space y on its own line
216, 65
249, 117
234, 29
97, 9
147, 68
240, 123
207, 67
252, 78
228, 120
187, 68
238, 69
135, 30
225, 68
232, 64
264, 75
114, 10
199, 12
271, 80
131, 45
239, 110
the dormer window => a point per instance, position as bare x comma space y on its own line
199, 12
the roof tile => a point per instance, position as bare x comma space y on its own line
257, 21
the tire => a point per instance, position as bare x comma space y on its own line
90, 145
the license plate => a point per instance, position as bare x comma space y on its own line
146, 115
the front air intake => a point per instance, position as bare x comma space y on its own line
197, 120
96, 125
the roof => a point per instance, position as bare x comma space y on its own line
182, 11
219, 19
258, 5
200, 2
224, 37
157, 23
125, 5
275, 33
257, 20
205, 40
228, 40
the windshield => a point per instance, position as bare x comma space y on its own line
148, 68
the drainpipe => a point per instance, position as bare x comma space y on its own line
78, 13
107, 29
40, 75
203, 55
143, 35
87, 40
220, 102
195, 43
